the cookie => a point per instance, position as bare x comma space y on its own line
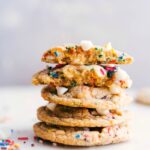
92, 75
86, 53
74, 136
81, 117
83, 92
108, 101
144, 96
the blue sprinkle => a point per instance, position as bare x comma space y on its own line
77, 136
121, 57
56, 54
54, 74
2, 144
11, 130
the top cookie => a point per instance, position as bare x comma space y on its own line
86, 53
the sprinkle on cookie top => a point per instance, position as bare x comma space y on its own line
86, 53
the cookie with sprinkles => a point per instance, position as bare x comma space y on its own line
83, 96
85, 90
80, 117
91, 75
75, 136
86, 53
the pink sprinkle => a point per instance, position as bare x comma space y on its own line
23, 138
102, 71
109, 128
8, 141
35, 138
110, 68
58, 66
86, 135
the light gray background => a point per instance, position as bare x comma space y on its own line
29, 27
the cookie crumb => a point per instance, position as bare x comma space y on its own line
40, 141
54, 144
32, 145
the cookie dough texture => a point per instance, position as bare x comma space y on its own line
85, 54
81, 117
143, 96
92, 75
108, 101
82, 136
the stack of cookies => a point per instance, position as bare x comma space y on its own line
85, 89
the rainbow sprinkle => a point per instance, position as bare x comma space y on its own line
8, 145
23, 138
77, 136
54, 74
120, 58
56, 54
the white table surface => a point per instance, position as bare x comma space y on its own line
18, 112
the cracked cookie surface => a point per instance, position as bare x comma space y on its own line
81, 117
83, 54
82, 136
103, 100
92, 75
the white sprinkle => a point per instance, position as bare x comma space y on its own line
54, 144
61, 90
122, 75
40, 141
86, 45
102, 111
107, 46
109, 65
51, 106
100, 71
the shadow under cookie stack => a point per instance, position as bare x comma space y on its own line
85, 90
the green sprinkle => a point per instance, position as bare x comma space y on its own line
68, 48
92, 69
96, 48
110, 74
49, 69
100, 55
73, 83
53, 74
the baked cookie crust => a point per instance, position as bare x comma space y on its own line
74, 136
105, 102
91, 75
81, 117
77, 55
